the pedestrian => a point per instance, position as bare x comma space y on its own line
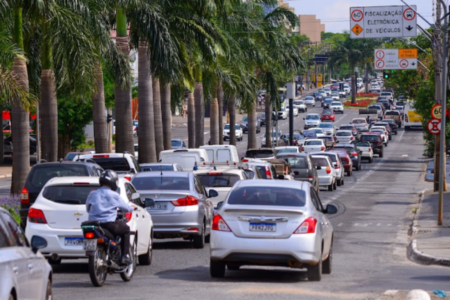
368, 119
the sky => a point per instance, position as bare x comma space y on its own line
335, 14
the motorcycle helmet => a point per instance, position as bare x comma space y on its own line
110, 178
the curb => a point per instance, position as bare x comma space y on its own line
418, 295
424, 259
5, 176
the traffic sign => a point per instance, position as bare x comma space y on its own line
383, 21
434, 126
394, 59
407, 53
436, 112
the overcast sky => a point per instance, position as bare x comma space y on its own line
335, 14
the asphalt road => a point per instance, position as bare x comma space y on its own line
375, 212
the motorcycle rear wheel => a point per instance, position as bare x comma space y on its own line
129, 272
97, 267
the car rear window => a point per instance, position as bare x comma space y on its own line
286, 150
393, 112
113, 163
156, 168
362, 144
268, 196
346, 127
297, 162
313, 143
68, 194
259, 153
161, 183
320, 161
39, 176
342, 133
222, 180
358, 121
262, 171
370, 138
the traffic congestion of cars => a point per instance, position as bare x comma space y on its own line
238, 203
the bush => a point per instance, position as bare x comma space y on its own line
90, 143
359, 103
12, 205
366, 95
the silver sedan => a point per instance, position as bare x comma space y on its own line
275, 223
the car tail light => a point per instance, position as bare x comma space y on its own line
302, 149
101, 155
352, 138
370, 149
328, 170
308, 226
310, 178
338, 166
245, 160
36, 216
25, 196
128, 216
354, 154
214, 173
386, 133
186, 201
268, 174
89, 235
322, 148
81, 183
127, 177
219, 224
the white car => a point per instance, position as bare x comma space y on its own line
25, 273
335, 95
124, 164
275, 137
312, 120
295, 110
136, 150
337, 166
286, 150
309, 100
238, 129
313, 145
320, 132
300, 105
323, 93
283, 113
327, 90
324, 166
347, 88
337, 107
60, 208
273, 223
328, 128
344, 136
366, 149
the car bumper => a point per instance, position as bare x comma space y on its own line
325, 180
187, 223
367, 154
227, 247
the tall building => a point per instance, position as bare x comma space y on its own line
311, 27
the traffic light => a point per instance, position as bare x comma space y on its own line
108, 118
386, 75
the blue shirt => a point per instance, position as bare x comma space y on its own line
102, 205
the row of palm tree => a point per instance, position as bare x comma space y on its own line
217, 50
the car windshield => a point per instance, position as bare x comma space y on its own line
320, 161
267, 196
313, 143
175, 143
312, 117
165, 183
68, 194
70, 156
362, 144
309, 98
317, 130
39, 175
374, 107
370, 138
309, 134
326, 125
227, 126
274, 134
156, 168
298, 102
343, 133
259, 153
135, 123
219, 180
286, 150
336, 104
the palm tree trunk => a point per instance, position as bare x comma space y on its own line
232, 112
2, 154
146, 129
99, 109
159, 140
214, 119
48, 106
20, 121
166, 116
366, 76
252, 126
124, 122
199, 115
220, 104
191, 120
268, 112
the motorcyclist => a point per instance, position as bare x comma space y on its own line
102, 206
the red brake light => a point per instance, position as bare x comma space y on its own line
101, 155
36, 216
328, 170
268, 173
310, 178
352, 138
24, 197
337, 166
245, 160
370, 149
89, 235
322, 148
219, 224
186, 201
128, 216
214, 173
302, 149
308, 226
127, 177
80, 183
354, 154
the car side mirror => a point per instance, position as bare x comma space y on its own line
330, 209
318, 168
149, 202
212, 193
37, 243
219, 205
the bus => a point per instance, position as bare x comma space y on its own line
412, 119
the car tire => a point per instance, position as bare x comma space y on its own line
199, 240
208, 238
314, 273
146, 259
342, 180
48, 290
335, 185
339, 183
327, 263
381, 154
216, 269
233, 267
330, 188
390, 137
386, 144
370, 160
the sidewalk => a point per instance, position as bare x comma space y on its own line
5, 171
430, 244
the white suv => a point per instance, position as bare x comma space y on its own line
239, 132
327, 177
124, 164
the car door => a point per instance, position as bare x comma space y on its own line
322, 221
141, 219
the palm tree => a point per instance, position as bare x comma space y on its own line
159, 140
220, 104
199, 114
191, 120
166, 116
232, 112
214, 120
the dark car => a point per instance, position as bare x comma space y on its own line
346, 160
274, 119
244, 124
317, 96
355, 154
309, 134
392, 124
43, 172
327, 102
303, 167
375, 141
8, 141
385, 103
327, 115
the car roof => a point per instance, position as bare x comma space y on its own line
157, 164
66, 162
312, 114
292, 154
311, 140
163, 174
344, 145
342, 130
286, 147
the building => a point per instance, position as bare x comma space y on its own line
311, 27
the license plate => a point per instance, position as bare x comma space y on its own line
90, 245
73, 241
158, 207
263, 227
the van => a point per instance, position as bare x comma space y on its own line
186, 158
221, 153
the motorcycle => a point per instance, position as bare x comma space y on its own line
104, 252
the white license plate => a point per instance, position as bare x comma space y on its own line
73, 241
90, 245
158, 206
263, 227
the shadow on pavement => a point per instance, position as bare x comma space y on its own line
71, 268
172, 245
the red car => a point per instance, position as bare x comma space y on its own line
327, 115
346, 160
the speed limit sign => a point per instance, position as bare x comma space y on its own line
436, 112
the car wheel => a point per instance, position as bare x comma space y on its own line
370, 160
199, 240
330, 188
381, 154
390, 137
233, 267
335, 185
216, 269
326, 267
48, 290
314, 273
386, 144
342, 180
339, 183
146, 259
208, 239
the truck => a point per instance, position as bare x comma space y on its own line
412, 118
394, 115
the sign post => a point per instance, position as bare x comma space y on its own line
395, 59
383, 21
